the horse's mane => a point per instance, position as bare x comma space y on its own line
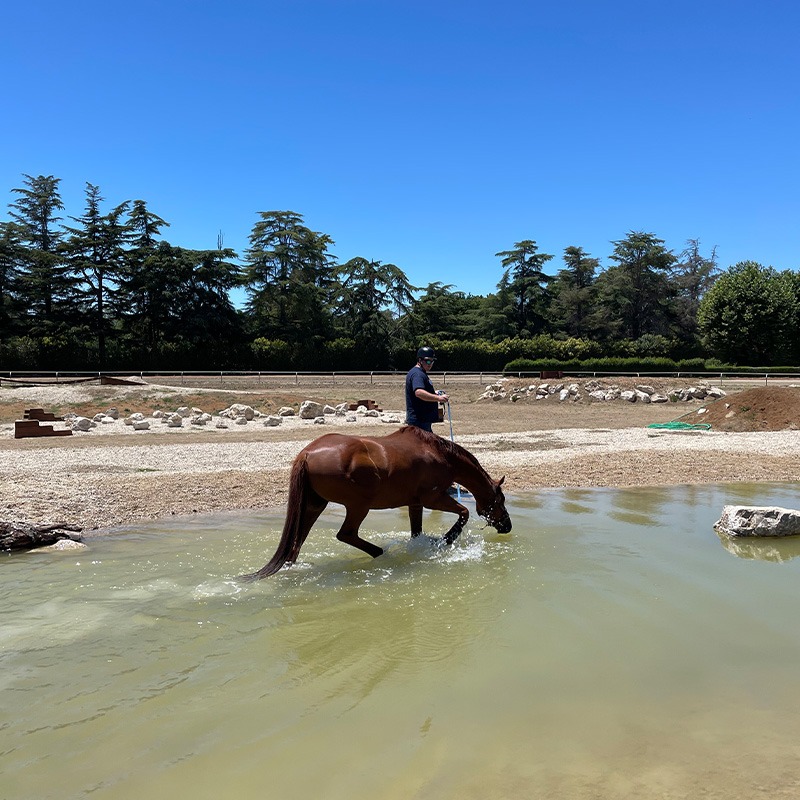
445, 446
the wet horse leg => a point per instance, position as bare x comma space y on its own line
315, 505
446, 502
415, 518
348, 533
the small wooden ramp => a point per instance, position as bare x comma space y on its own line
31, 426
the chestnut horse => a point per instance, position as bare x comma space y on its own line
410, 467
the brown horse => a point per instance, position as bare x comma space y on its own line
410, 467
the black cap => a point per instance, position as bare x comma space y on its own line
425, 352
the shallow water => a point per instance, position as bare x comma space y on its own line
611, 647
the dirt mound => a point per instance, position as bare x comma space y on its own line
755, 410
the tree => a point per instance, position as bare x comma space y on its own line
96, 255
444, 314
635, 295
527, 283
43, 281
11, 256
289, 275
370, 298
573, 305
693, 275
749, 316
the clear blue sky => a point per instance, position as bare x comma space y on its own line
427, 134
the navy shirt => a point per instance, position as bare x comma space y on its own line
420, 413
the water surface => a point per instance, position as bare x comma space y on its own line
611, 647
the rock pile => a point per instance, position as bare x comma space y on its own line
596, 391
236, 414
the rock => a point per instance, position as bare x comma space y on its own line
309, 409
141, 425
629, 396
240, 420
328, 410
112, 412
135, 417
158, 414
183, 411
642, 397
563, 394
351, 418
222, 425
392, 419
239, 410
319, 420
758, 521
83, 424
62, 544
26, 535
286, 411
174, 420
200, 419
656, 397
373, 412
598, 394
648, 390
272, 421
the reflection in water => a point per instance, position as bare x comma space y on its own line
589, 654
777, 549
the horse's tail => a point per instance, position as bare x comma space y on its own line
292, 537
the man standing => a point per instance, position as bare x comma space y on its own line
422, 402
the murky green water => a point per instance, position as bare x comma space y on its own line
611, 647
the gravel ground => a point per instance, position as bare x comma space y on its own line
113, 476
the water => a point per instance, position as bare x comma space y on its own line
611, 647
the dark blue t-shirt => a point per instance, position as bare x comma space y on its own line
420, 412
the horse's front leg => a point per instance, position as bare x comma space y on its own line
445, 502
415, 518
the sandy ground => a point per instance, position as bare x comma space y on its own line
113, 476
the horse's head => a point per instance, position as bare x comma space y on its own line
495, 512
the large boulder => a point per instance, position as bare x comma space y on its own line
311, 410
758, 521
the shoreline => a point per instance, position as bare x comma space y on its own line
101, 482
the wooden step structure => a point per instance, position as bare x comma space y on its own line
31, 426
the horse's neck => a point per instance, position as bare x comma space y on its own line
472, 477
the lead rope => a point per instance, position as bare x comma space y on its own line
450, 420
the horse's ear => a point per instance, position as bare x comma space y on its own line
500, 482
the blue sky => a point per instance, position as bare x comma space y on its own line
426, 134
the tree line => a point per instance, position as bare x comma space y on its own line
105, 290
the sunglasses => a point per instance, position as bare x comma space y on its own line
429, 360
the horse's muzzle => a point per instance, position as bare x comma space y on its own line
504, 525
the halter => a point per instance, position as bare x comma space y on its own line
487, 513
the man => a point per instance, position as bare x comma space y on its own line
422, 402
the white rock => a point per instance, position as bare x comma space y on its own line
658, 398
309, 409
758, 521
83, 424
272, 421
328, 410
174, 420
351, 418
392, 419
286, 411
642, 397
373, 412
157, 414
646, 389
629, 396
598, 394
141, 425
112, 412
240, 421
183, 411
319, 420
563, 394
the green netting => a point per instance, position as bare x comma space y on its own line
681, 426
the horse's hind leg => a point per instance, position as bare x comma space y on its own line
348, 533
315, 505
